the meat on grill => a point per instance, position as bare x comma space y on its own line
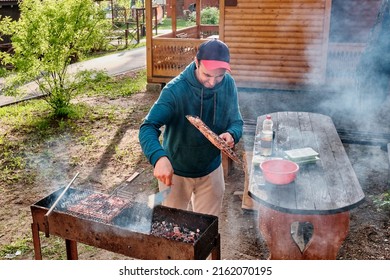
99, 206
214, 138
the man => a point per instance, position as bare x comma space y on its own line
187, 162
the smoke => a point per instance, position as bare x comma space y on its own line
361, 29
52, 167
52, 164
356, 91
137, 218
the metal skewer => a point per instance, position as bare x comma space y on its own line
55, 204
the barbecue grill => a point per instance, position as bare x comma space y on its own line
128, 232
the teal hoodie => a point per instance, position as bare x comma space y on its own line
190, 153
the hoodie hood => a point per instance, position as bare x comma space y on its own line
200, 91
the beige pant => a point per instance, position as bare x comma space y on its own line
204, 193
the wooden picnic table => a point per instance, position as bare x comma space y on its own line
309, 218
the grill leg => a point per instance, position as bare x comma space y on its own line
216, 252
71, 250
36, 241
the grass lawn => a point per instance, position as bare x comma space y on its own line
180, 23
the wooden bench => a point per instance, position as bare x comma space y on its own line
309, 218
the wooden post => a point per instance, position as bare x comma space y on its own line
247, 202
227, 164
149, 38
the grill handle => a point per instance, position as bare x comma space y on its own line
46, 217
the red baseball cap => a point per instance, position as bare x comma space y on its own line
214, 54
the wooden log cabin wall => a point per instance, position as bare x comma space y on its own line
278, 44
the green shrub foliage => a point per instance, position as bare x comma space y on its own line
47, 38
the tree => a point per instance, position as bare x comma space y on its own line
47, 38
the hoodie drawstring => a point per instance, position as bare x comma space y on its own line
214, 109
201, 104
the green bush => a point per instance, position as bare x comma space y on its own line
47, 38
209, 15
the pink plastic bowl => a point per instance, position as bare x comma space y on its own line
279, 171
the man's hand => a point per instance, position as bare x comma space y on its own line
228, 139
163, 171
